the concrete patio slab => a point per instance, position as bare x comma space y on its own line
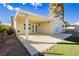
39, 43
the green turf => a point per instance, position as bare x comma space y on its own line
67, 48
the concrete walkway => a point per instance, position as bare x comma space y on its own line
39, 43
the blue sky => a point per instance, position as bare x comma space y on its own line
8, 10
71, 11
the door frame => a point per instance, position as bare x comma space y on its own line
35, 29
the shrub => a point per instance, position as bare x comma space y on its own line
8, 29
2, 28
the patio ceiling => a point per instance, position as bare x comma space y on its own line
34, 19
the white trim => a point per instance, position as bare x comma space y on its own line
16, 15
26, 26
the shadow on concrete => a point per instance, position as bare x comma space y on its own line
74, 38
55, 53
33, 42
70, 43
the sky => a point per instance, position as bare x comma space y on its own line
71, 11
8, 10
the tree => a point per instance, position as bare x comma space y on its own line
57, 9
12, 20
0, 22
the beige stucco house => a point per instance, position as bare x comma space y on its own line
27, 23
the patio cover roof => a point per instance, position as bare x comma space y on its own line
32, 17
35, 18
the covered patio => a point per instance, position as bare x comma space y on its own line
27, 24
39, 43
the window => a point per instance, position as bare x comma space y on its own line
29, 27
24, 27
36, 28
32, 28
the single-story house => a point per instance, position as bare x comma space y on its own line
27, 23
70, 28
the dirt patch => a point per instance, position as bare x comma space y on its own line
12, 47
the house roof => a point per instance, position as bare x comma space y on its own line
45, 18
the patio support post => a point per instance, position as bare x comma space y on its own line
26, 27
15, 27
15, 23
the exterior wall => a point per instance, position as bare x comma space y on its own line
20, 21
57, 26
45, 28
20, 27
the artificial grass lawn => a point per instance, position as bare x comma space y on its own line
68, 48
